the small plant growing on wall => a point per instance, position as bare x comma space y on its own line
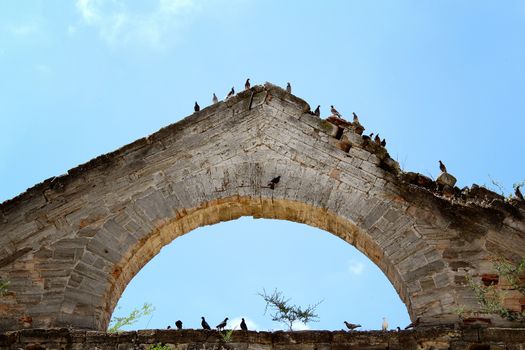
159, 346
117, 323
491, 297
286, 313
3, 287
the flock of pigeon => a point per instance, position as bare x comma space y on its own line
244, 327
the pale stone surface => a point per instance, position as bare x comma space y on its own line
71, 244
446, 179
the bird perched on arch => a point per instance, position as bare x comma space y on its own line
178, 324
274, 182
334, 111
244, 327
169, 327
368, 138
317, 111
205, 324
196, 107
384, 325
383, 142
377, 139
518, 193
288, 88
442, 167
214, 99
351, 326
231, 93
247, 84
221, 325
356, 118
413, 324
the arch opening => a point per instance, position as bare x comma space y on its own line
231, 209
216, 271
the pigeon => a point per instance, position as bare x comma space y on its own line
288, 88
377, 139
169, 327
518, 194
231, 93
384, 325
178, 324
196, 107
413, 324
247, 84
335, 112
383, 143
274, 182
368, 137
356, 118
442, 167
214, 99
317, 111
398, 329
351, 326
221, 325
243, 325
205, 324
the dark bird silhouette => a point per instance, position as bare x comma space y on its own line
368, 137
231, 93
351, 326
413, 324
205, 324
317, 111
214, 99
221, 325
196, 107
518, 194
178, 324
377, 139
398, 329
247, 84
169, 327
243, 325
274, 182
383, 143
356, 118
442, 167
334, 111
288, 88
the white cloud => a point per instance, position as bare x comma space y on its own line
118, 25
235, 323
299, 326
356, 267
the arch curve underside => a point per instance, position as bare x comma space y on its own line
70, 245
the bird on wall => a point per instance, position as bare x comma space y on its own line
288, 88
377, 139
368, 137
169, 327
231, 93
383, 143
384, 325
356, 118
274, 182
317, 111
214, 99
442, 167
351, 326
196, 107
247, 84
413, 324
244, 327
334, 111
221, 325
205, 324
178, 324
518, 193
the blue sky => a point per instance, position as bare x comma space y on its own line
440, 80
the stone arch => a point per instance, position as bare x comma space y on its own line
71, 244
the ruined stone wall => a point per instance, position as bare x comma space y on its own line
428, 339
70, 245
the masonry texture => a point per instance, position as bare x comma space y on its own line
440, 338
70, 245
